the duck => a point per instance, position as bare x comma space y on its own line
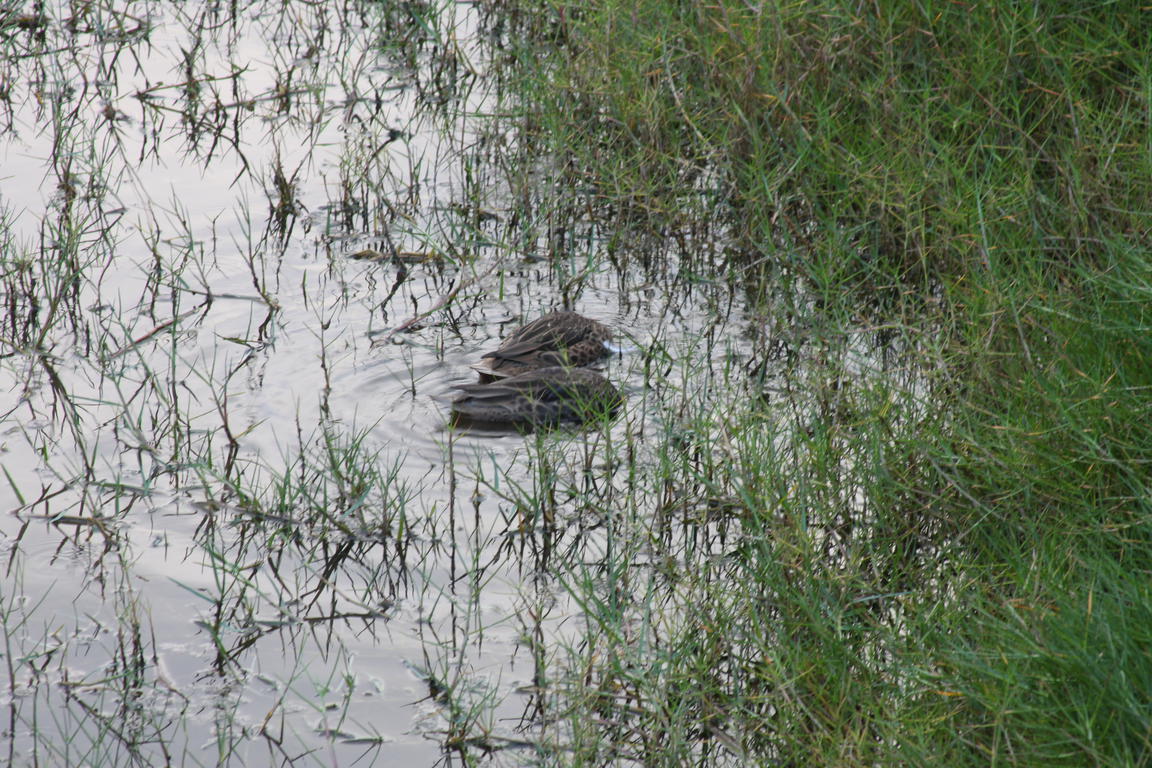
558, 339
542, 396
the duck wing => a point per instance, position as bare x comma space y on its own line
544, 338
544, 395
525, 386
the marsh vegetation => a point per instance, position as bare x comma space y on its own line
878, 492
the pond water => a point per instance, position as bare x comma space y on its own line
249, 252
248, 255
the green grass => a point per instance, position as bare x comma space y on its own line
890, 507
926, 138
944, 563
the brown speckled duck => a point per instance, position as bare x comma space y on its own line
556, 339
542, 396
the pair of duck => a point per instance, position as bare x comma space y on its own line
536, 376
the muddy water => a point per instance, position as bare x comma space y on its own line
239, 527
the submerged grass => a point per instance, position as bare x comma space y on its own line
172, 593
949, 567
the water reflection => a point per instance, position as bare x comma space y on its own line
244, 528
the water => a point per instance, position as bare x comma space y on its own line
241, 529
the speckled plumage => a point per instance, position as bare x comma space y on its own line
556, 339
541, 396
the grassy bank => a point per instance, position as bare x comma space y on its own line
948, 570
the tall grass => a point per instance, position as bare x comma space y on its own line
924, 138
949, 567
